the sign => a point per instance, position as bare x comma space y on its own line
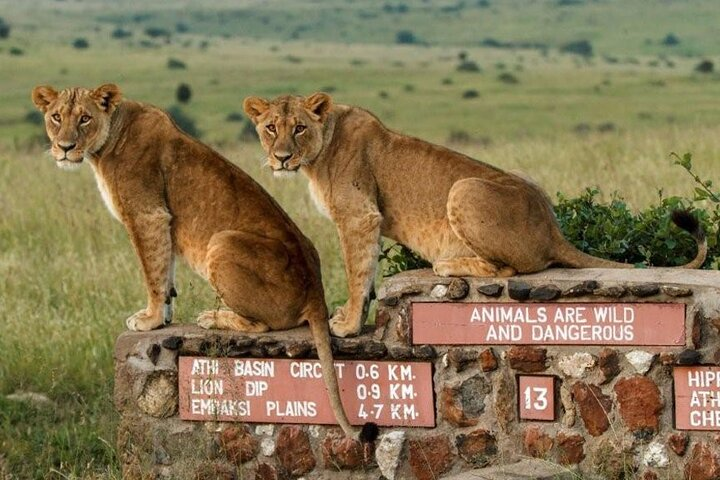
536, 399
697, 398
293, 391
549, 323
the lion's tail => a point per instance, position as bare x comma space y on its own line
572, 257
321, 334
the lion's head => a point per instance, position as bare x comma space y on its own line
77, 120
290, 128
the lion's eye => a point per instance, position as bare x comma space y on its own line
55, 117
271, 128
85, 119
299, 129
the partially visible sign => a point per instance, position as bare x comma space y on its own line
548, 323
293, 391
697, 398
536, 397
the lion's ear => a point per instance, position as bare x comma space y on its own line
254, 107
43, 96
107, 96
319, 105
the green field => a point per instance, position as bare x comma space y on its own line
68, 276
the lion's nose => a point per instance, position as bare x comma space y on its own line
66, 146
282, 156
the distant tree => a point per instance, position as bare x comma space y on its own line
467, 94
4, 29
175, 64
405, 37
462, 55
15, 51
182, 27
34, 117
183, 93
183, 121
157, 32
509, 78
671, 40
468, 66
120, 33
80, 43
706, 66
235, 117
581, 47
483, 3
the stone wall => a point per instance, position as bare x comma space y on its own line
613, 410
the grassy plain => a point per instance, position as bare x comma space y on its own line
68, 276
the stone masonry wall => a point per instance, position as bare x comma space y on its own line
613, 409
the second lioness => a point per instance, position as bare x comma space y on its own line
176, 196
464, 216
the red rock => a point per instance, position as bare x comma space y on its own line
639, 403
527, 359
537, 443
678, 442
341, 452
477, 447
668, 358
703, 464
488, 362
238, 444
429, 457
594, 407
609, 363
451, 411
266, 471
294, 450
570, 448
648, 475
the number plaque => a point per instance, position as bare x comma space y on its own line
536, 397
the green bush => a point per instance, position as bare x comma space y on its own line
611, 230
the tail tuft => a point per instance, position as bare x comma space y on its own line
369, 432
688, 222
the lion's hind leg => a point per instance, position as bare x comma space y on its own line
255, 279
498, 222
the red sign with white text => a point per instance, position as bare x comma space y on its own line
549, 323
293, 391
697, 398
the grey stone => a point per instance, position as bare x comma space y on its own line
545, 293
689, 357
153, 352
673, 291
159, 395
391, 301
640, 360
172, 343
644, 289
387, 453
655, 455
582, 289
424, 352
491, 290
439, 291
458, 289
576, 365
613, 291
518, 290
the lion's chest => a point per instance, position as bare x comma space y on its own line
105, 192
318, 198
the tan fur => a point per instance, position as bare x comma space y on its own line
464, 216
176, 196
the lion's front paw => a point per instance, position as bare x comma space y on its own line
343, 326
142, 322
208, 319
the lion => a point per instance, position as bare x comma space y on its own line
466, 217
177, 197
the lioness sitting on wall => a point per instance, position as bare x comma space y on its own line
466, 217
176, 196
